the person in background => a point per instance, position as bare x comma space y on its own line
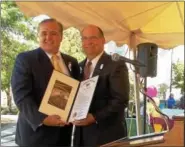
171, 101
30, 77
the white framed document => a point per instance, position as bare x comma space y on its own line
83, 99
67, 97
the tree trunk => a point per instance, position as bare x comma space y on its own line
164, 95
9, 99
164, 98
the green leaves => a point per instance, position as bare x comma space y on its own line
16, 36
162, 90
71, 43
13, 22
163, 87
178, 76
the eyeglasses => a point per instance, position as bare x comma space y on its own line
92, 38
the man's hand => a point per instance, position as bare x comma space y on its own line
54, 120
85, 122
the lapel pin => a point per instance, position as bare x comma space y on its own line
101, 66
80, 69
70, 66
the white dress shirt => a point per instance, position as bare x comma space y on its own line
94, 62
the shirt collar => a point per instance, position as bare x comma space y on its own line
50, 55
96, 59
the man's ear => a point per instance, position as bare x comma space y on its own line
38, 37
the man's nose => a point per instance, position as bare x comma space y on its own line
48, 36
88, 42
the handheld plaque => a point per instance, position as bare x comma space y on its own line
67, 97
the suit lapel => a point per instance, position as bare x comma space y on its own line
82, 66
68, 64
45, 63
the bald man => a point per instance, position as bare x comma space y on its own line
105, 121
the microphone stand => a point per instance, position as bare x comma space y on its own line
145, 106
139, 123
144, 97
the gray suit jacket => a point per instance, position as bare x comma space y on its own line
30, 77
110, 99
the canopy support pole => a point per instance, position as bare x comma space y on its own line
137, 99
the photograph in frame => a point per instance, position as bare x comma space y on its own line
59, 95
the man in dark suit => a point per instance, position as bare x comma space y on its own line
30, 78
105, 121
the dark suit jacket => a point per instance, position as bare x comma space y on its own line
30, 77
110, 99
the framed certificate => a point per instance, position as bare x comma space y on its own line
67, 97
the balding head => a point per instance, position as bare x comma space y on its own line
92, 41
95, 28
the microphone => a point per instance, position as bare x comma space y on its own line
117, 57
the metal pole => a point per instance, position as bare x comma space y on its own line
171, 72
145, 106
137, 100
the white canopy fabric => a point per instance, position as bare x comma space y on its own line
128, 23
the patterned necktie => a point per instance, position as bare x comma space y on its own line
55, 61
87, 70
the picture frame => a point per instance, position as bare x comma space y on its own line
59, 95
67, 97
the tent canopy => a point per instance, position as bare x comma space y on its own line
128, 23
